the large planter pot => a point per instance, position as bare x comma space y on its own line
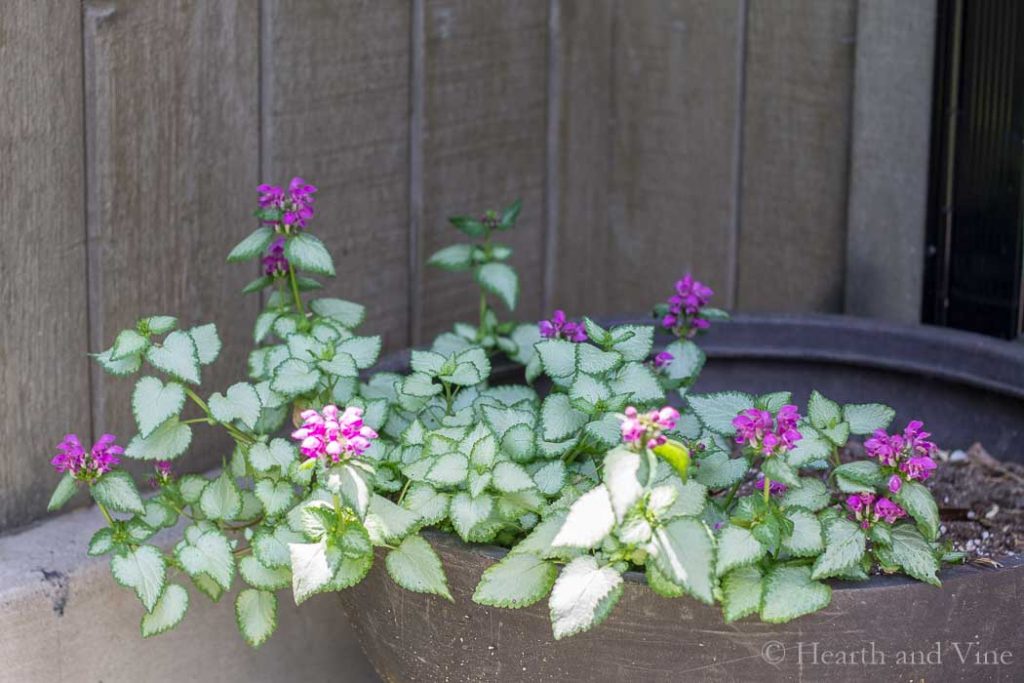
965, 387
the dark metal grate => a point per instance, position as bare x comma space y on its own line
976, 232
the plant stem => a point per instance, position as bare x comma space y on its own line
198, 401
103, 509
767, 489
732, 494
295, 291
405, 489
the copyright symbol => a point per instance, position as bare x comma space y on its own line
773, 652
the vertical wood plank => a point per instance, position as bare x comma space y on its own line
890, 150
44, 375
337, 107
483, 140
799, 75
672, 180
173, 148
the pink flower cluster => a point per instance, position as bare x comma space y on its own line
333, 434
100, 459
868, 509
296, 205
662, 360
765, 434
908, 455
647, 428
560, 328
274, 263
683, 306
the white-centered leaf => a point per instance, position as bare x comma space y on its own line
169, 611
166, 442
583, 596
590, 520
912, 553
823, 412
363, 350
221, 499
66, 488
686, 555
789, 592
128, 343
346, 313
737, 547
551, 477
116, 490
516, 581
241, 402
812, 494
207, 552
806, 539
454, 257
276, 497
207, 342
308, 253
416, 567
153, 403
844, 547
177, 356
559, 419
143, 570
293, 377
717, 411
499, 279
271, 549
278, 453
741, 593
865, 418
621, 468
252, 246
387, 522
448, 470
312, 569
429, 504
510, 477
256, 615
468, 513
917, 500
265, 578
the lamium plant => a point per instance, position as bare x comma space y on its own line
598, 461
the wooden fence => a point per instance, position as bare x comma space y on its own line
750, 141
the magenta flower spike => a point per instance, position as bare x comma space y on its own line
558, 327
100, 459
332, 435
646, 429
767, 434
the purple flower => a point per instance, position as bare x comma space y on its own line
295, 205
888, 510
333, 434
867, 509
685, 305
774, 488
895, 483
100, 459
919, 467
884, 447
908, 456
662, 360
763, 433
647, 428
858, 503
560, 328
274, 263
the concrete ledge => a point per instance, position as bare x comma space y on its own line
62, 618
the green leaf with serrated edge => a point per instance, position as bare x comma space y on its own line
102, 542
777, 469
806, 537
559, 419
169, 611
594, 361
516, 581
912, 553
241, 402
313, 567
510, 477
420, 386
256, 575
635, 347
510, 214
158, 324
661, 584
294, 377
538, 541
774, 401
686, 554
716, 411
271, 548
865, 474
116, 491
221, 499
387, 522
350, 572
207, 342
844, 547
812, 446
191, 487
550, 478
583, 596
264, 322
430, 505
468, 225
454, 257
690, 499
741, 593
838, 433
812, 494
256, 285
471, 367
823, 412
153, 403
467, 512
416, 567
918, 502
119, 368
587, 391
347, 313
590, 520
128, 343
158, 515
557, 357
208, 552
501, 280
252, 246
66, 488
278, 453
167, 442
276, 497
717, 470
427, 362
687, 361
143, 570
256, 615
865, 418
448, 470
737, 548
308, 253
208, 587
621, 468
177, 356
605, 432
364, 350
789, 592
